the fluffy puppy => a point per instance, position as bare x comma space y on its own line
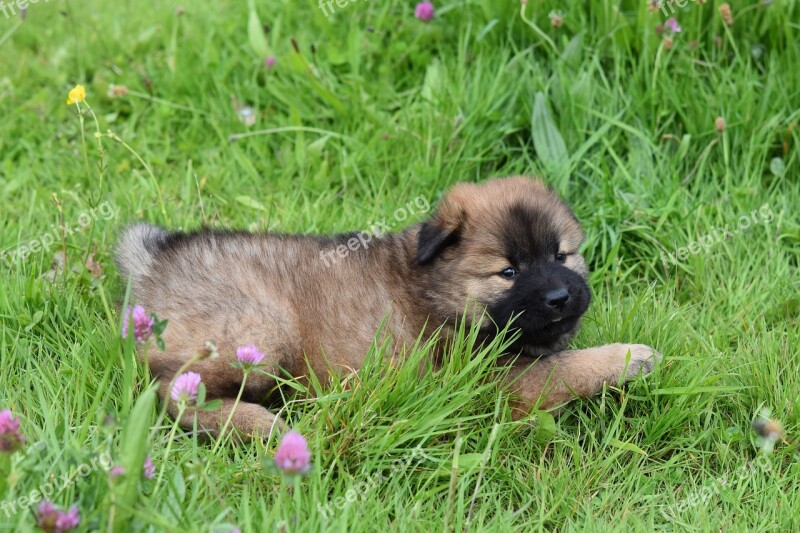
505, 251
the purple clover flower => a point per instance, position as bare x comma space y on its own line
10, 437
293, 455
142, 324
149, 468
672, 25
185, 387
249, 354
424, 11
51, 519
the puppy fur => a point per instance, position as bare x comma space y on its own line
493, 253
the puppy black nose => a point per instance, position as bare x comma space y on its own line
557, 298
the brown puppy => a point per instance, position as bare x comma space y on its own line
503, 250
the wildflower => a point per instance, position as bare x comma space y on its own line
270, 61
672, 25
149, 468
659, 29
76, 95
653, 5
556, 19
116, 471
51, 519
94, 268
208, 351
67, 521
246, 114
424, 11
719, 124
117, 91
668, 43
293, 455
726, 13
769, 430
142, 324
185, 388
10, 437
249, 354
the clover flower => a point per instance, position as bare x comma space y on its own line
10, 437
293, 455
672, 25
185, 387
142, 324
424, 11
51, 519
149, 468
208, 351
249, 354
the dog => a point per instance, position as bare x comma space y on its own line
502, 256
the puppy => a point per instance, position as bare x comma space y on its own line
505, 251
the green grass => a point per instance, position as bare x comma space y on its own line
376, 109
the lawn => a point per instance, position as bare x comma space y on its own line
678, 151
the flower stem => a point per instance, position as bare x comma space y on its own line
115, 138
296, 496
181, 410
99, 136
83, 139
233, 409
533, 25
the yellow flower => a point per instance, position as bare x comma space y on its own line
76, 95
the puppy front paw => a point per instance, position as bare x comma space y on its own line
643, 359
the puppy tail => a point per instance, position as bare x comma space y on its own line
136, 249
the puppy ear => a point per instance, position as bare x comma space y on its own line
432, 239
445, 227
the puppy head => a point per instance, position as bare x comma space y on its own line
508, 247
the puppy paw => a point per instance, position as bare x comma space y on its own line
642, 359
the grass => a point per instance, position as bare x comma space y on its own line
374, 109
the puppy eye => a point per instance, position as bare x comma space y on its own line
508, 273
561, 257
